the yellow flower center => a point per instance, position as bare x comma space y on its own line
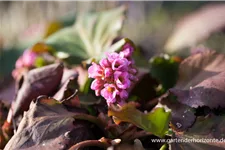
110, 89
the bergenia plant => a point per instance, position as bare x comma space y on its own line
26, 60
114, 75
36, 56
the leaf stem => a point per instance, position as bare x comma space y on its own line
89, 143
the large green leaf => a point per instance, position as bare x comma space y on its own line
91, 35
155, 122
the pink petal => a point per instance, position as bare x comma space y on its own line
97, 84
109, 93
113, 56
19, 62
127, 50
95, 71
133, 77
105, 63
123, 94
97, 92
108, 72
29, 58
122, 79
120, 64
133, 70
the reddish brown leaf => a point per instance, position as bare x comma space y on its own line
183, 116
202, 80
40, 81
48, 125
209, 129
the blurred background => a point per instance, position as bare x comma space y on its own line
171, 27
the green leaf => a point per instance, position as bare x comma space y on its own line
91, 35
155, 122
165, 69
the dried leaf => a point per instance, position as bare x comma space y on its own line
183, 116
48, 125
67, 94
202, 80
40, 81
68, 85
67, 74
205, 128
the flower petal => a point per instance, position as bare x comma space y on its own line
122, 79
109, 93
28, 58
127, 50
105, 63
95, 71
120, 64
123, 94
113, 56
97, 84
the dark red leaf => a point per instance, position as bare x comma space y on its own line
40, 81
48, 125
201, 80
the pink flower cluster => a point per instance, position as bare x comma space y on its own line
114, 75
27, 59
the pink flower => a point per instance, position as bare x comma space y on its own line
108, 72
95, 71
122, 79
114, 75
29, 58
26, 60
132, 70
98, 92
105, 63
19, 63
127, 50
133, 77
109, 93
113, 56
123, 94
97, 85
120, 64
